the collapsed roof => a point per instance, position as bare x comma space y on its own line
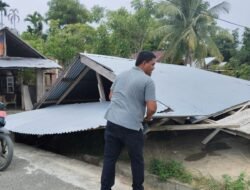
182, 92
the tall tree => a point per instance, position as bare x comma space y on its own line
13, 17
119, 24
143, 22
63, 44
36, 20
239, 64
186, 29
97, 13
129, 31
67, 12
225, 42
3, 11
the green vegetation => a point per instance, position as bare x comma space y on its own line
67, 12
170, 169
239, 184
184, 31
175, 170
187, 28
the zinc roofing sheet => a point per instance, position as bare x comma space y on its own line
63, 85
58, 119
186, 90
28, 63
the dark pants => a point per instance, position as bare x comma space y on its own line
116, 137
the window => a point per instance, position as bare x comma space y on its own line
10, 84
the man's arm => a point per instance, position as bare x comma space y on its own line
110, 95
151, 109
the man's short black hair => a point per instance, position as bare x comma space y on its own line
144, 56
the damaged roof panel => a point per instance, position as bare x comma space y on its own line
186, 90
64, 82
189, 92
58, 119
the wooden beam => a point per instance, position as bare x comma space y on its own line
98, 68
40, 84
100, 88
84, 72
243, 107
179, 120
209, 121
191, 127
159, 123
211, 135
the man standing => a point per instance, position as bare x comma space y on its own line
132, 94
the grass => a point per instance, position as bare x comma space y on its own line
241, 183
170, 169
175, 170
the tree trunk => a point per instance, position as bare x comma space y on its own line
188, 59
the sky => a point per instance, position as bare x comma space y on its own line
239, 10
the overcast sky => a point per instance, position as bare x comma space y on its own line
239, 11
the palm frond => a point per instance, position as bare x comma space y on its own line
167, 9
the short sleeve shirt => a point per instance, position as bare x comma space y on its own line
130, 92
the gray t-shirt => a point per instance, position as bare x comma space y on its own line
130, 91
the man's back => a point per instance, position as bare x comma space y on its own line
129, 92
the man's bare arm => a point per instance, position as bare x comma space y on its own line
151, 109
110, 95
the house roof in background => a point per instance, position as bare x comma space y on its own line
28, 63
18, 54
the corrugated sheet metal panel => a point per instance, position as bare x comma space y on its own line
58, 119
72, 73
28, 63
188, 91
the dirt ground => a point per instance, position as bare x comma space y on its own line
225, 154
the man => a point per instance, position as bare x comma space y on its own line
132, 93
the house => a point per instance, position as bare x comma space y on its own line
188, 98
16, 58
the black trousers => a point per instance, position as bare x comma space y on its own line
116, 137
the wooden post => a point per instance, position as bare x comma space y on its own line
100, 88
39, 84
21, 88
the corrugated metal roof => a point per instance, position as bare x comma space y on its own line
27, 63
63, 84
188, 91
58, 119
16, 47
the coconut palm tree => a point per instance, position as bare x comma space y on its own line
13, 17
186, 29
36, 19
3, 11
